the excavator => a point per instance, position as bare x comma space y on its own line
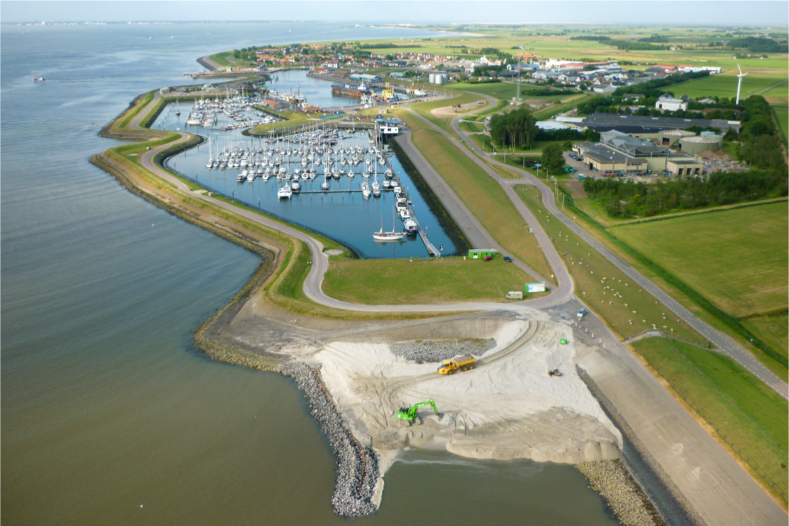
409, 413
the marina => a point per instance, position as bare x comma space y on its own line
336, 181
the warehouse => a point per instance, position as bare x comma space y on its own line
644, 125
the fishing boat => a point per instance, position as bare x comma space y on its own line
386, 237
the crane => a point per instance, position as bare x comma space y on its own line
409, 413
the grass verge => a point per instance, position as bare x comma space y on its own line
747, 415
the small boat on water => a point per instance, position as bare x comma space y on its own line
366, 192
410, 226
39, 79
386, 237
285, 192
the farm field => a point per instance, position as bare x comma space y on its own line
443, 280
747, 414
735, 258
724, 85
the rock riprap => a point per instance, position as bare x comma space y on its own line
625, 498
357, 466
434, 351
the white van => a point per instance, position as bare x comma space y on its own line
515, 295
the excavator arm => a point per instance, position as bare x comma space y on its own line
411, 412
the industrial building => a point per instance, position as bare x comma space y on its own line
651, 126
705, 143
622, 153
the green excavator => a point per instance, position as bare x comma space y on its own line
409, 413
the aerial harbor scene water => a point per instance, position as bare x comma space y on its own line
393, 267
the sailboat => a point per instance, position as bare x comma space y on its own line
386, 237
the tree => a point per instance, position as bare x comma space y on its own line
552, 159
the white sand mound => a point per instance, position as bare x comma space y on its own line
506, 408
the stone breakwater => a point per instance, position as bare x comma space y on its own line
357, 466
613, 482
430, 351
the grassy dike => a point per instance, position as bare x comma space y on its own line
743, 414
483, 196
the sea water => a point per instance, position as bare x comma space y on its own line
110, 415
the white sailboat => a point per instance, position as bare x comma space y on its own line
385, 237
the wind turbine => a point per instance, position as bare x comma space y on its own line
739, 83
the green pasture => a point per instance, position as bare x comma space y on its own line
772, 328
443, 280
736, 258
726, 86
748, 415
782, 117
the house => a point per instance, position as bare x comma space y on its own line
668, 103
485, 61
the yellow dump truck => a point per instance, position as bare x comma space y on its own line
463, 363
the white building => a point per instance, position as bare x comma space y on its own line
667, 102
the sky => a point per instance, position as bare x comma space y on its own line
770, 13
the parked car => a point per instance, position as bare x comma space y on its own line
582, 313
508, 259
487, 258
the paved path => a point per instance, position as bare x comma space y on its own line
714, 484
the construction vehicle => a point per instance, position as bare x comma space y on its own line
409, 413
463, 363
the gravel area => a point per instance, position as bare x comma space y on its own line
612, 481
357, 466
430, 351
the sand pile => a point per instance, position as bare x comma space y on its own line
506, 408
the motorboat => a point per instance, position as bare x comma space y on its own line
285, 192
366, 192
410, 226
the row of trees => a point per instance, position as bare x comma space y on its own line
517, 128
628, 199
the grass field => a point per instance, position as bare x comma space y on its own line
425, 108
443, 280
726, 86
480, 193
774, 329
736, 258
606, 289
747, 414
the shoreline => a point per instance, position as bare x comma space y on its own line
219, 351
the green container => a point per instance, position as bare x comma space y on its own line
563, 341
